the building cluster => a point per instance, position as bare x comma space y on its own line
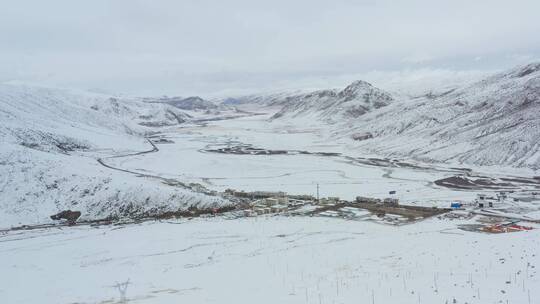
392, 202
255, 194
263, 202
268, 205
484, 201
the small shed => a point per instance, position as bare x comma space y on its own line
391, 201
456, 205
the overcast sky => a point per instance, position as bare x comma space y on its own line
203, 47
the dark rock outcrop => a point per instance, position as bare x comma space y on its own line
70, 216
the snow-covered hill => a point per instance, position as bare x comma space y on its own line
330, 105
352, 102
492, 122
40, 117
495, 121
194, 103
51, 140
269, 99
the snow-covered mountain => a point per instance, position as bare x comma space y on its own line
51, 141
269, 99
492, 122
30, 115
495, 121
330, 105
193, 103
355, 100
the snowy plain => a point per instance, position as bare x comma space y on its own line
270, 260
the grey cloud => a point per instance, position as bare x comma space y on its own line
209, 47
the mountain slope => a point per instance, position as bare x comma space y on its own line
28, 112
352, 102
492, 122
51, 140
194, 103
269, 99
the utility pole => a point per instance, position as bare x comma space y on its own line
317, 192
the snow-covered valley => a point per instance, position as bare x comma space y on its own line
124, 159
338, 168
